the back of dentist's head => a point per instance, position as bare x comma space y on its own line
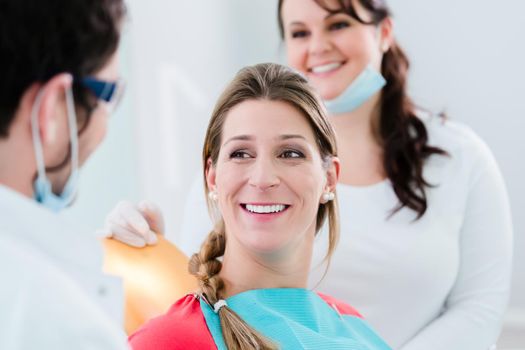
51, 53
42, 38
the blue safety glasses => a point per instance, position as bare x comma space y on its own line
107, 91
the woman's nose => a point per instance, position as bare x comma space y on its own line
320, 43
264, 174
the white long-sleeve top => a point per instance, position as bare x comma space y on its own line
440, 282
53, 293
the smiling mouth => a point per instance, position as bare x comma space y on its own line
326, 68
265, 209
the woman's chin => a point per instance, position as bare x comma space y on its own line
265, 245
328, 93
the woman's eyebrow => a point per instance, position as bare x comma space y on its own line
251, 138
239, 138
291, 136
296, 23
328, 16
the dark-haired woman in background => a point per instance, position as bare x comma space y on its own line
426, 236
425, 249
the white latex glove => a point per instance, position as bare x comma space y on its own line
135, 225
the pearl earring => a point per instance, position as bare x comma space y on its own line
328, 196
213, 196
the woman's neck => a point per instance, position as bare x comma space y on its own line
244, 270
362, 124
359, 144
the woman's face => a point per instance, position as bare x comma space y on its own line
269, 178
331, 50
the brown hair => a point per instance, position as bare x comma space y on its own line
271, 82
403, 136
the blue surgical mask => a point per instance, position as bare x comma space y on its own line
367, 83
43, 191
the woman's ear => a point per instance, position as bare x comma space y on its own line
332, 174
210, 175
386, 34
212, 192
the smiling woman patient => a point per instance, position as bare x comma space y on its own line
270, 175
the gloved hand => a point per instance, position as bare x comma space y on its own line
135, 225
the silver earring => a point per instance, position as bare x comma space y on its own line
213, 196
328, 196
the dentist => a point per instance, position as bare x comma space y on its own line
58, 62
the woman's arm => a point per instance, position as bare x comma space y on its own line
473, 312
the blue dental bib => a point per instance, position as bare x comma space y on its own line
296, 319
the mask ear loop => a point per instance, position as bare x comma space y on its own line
73, 132
37, 141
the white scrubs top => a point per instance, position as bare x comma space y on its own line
53, 294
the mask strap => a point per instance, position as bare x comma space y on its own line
73, 131
73, 136
37, 141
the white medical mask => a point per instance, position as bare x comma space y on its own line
367, 83
43, 191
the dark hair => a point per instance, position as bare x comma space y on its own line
404, 137
39, 39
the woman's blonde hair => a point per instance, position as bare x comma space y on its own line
271, 82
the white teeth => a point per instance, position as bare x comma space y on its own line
326, 67
265, 209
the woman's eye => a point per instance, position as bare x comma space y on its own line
239, 155
299, 34
291, 154
339, 25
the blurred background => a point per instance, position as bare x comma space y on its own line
468, 59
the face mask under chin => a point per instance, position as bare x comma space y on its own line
364, 86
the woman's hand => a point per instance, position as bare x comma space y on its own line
135, 225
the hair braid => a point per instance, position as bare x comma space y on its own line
205, 266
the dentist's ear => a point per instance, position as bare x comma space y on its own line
52, 105
386, 34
